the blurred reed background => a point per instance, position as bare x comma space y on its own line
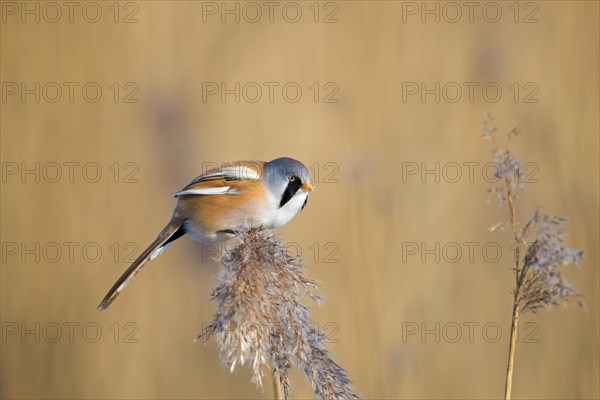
367, 212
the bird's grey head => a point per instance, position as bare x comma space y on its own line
285, 177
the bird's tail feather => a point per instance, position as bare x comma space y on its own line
171, 232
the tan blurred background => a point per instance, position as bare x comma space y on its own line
375, 292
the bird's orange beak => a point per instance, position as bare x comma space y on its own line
307, 187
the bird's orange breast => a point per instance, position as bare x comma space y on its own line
206, 215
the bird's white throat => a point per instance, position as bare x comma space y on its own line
281, 216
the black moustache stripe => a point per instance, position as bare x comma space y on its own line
290, 191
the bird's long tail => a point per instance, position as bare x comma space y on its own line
172, 231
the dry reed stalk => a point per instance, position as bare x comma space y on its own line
261, 319
538, 280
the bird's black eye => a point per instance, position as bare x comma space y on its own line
294, 184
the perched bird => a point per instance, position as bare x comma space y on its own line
223, 201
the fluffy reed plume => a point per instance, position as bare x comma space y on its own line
539, 246
261, 318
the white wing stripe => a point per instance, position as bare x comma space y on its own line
232, 172
240, 172
207, 191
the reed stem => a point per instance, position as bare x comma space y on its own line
277, 392
511, 351
515, 313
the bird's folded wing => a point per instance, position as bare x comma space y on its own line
221, 180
